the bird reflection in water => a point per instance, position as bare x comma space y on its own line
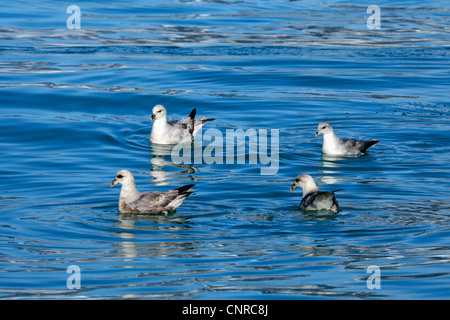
163, 168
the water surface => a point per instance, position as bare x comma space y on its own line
75, 109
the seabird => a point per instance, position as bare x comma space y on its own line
174, 132
133, 201
313, 198
334, 145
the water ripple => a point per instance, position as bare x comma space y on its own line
75, 109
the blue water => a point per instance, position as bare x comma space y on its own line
75, 108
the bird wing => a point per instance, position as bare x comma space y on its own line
180, 131
190, 124
353, 145
189, 121
153, 201
157, 201
319, 200
198, 123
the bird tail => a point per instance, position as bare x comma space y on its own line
183, 193
185, 189
368, 144
204, 120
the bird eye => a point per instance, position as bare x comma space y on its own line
159, 110
323, 127
119, 176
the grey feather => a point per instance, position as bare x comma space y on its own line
319, 200
133, 201
358, 145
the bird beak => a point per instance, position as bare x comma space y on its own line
317, 134
153, 117
294, 186
112, 184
